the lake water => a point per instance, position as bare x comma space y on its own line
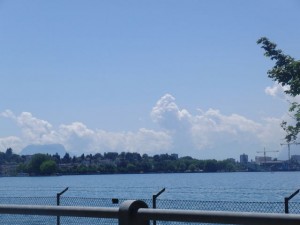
187, 186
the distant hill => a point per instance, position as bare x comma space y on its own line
50, 149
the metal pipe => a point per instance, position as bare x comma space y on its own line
137, 213
75, 211
219, 217
293, 195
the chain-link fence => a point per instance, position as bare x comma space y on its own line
263, 207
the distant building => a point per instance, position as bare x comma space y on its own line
275, 165
243, 159
295, 158
232, 160
175, 156
262, 159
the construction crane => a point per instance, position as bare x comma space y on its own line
264, 151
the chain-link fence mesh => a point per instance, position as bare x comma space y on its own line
263, 207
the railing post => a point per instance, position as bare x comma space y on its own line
58, 203
287, 199
154, 197
128, 213
286, 205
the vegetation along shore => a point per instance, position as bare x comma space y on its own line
12, 164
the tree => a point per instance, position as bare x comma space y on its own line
287, 73
82, 157
22, 167
211, 165
111, 155
36, 162
48, 167
56, 157
131, 168
66, 158
192, 167
9, 153
2, 157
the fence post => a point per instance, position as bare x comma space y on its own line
286, 201
58, 203
154, 197
286, 205
128, 210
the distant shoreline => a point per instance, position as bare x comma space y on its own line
90, 174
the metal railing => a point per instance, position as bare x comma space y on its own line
137, 212
260, 207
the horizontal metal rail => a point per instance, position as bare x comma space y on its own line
219, 217
73, 211
137, 213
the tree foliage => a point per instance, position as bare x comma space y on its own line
41, 164
48, 167
113, 162
286, 72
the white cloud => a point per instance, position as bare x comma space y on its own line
8, 114
207, 134
278, 91
10, 142
78, 138
212, 134
167, 113
148, 141
33, 129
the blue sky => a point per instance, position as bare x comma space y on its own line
144, 76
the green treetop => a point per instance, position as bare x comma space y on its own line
286, 72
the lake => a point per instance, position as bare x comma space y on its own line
246, 186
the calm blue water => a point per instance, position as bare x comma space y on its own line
197, 186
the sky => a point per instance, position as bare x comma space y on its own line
151, 77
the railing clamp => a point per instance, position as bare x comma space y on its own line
128, 213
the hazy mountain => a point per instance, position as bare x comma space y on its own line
50, 149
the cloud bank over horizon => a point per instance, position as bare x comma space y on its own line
207, 134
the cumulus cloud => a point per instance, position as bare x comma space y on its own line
8, 114
167, 113
276, 90
33, 129
211, 133
206, 134
10, 142
78, 138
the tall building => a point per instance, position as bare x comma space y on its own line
244, 159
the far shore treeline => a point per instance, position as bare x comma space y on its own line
108, 163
